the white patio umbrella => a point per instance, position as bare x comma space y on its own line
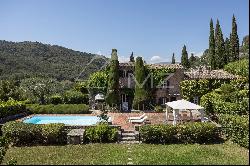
183, 105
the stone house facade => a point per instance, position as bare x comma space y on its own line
168, 90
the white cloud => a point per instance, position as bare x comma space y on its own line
155, 59
123, 59
99, 53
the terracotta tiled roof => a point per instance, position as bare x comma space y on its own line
154, 66
204, 73
158, 66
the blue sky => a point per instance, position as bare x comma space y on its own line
149, 28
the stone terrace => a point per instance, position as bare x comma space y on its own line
122, 119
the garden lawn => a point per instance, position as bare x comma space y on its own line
226, 153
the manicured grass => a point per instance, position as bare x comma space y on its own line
140, 154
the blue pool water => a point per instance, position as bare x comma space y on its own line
67, 120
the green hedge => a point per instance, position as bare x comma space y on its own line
11, 107
20, 133
58, 109
53, 133
197, 132
158, 134
235, 128
101, 133
56, 99
3, 147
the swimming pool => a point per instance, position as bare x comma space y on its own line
67, 120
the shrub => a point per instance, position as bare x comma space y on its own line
11, 107
235, 128
198, 133
208, 102
239, 67
58, 109
56, 99
101, 133
158, 108
53, 133
187, 133
3, 147
215, 103
158, 134
75, 97
20, 133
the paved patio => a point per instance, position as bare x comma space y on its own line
154, 118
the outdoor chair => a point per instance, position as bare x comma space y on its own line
184, 118
170, 117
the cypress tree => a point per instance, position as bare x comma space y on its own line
219, 46
184, 57
192, 60
234, 41
141, 95
132, 59
113, 97
212, 46
227, 51
173, 59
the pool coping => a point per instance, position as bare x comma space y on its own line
30, 116
67, 125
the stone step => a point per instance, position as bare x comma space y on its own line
128, 131
128, 134
128, 139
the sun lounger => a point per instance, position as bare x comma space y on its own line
109, 120
139, 120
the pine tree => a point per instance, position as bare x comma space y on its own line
184, 57
234, 41
173, 59
219, 46
132, 59
141, 95
112, 97
227, 51
212, 46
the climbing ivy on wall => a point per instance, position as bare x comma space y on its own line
159, 74
192, 88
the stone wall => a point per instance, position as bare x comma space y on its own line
174, 87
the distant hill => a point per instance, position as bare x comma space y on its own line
28, 59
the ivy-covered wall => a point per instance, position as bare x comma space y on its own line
192, 88
160, 74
